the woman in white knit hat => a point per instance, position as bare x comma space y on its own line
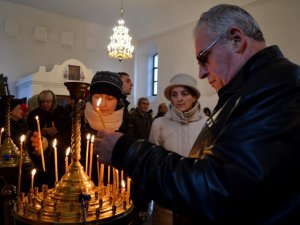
179, 128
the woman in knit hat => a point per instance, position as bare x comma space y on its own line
106, 86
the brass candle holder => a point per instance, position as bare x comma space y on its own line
75, 198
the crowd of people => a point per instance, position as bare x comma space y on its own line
236, 164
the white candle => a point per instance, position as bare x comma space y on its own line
99, 112
20, 164
55, 160
98, 172
102, 173
67, 159
91, 156
41, 144
32, 177
2, 129
87, 152
128, 189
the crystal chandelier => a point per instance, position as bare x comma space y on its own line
120, 42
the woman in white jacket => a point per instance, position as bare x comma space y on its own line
179, 128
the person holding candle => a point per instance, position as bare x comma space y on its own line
245, 167
55, 123
103, 110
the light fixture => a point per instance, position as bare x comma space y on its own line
120, 42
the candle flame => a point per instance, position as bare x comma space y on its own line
54, 143
2, 129
22, 138
37, 118
68, 151
33, 172
92, 139
123, 184
99, 102
88, 136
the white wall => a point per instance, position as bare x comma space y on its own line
22, 55
278, 19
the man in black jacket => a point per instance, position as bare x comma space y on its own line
247, 156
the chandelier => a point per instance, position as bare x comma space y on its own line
120, 42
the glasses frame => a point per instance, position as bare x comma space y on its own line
202, 56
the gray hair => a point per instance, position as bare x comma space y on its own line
221, 17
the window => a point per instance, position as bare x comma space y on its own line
154, 75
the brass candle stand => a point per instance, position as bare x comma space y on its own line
75, 199
8, 150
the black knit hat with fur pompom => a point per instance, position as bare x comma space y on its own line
106, 82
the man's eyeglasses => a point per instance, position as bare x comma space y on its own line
202, 56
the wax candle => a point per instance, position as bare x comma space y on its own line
55, 160
123, 189
99, 112
87, 152
128, 189
2, 129
41, 144
108, 175
91, 155
98, 172
20, 164
32, 177
102, 173
67, 159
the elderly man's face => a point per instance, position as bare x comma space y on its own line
217, 61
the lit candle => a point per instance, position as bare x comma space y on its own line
41, 144
123, 189
115, 189
32, 177
122, 175
2, 129
99, 112
67, 159
87, 152
20, 164
91, 155
55, 160
128, 189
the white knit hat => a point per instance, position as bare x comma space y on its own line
182, 80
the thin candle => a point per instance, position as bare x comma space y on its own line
99, 112
91, 155
55, 159
20, 164
102, 173
87, 152
40, 142
2, 129
123, 189
67, 159
32, 177
98, 170
128, 189
108, 175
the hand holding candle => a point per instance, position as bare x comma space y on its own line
55, 160
40, 142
